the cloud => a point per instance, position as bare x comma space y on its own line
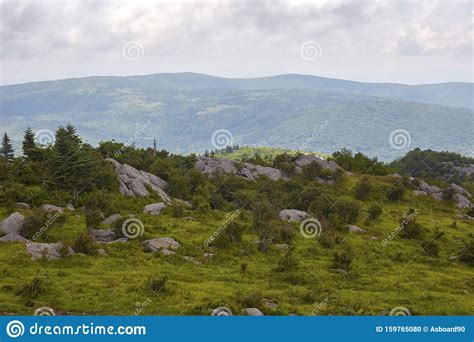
406, 41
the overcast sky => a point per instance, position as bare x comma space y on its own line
412, 41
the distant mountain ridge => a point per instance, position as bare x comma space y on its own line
183, 110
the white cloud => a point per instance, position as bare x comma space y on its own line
404, 41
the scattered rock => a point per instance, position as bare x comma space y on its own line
160, 243
430, 189
269, 303
112, 219
251, 171
12, 224
253, 312
466, 218
461, 201
121, 240
49, 251
12, 237
154, 209
420, 193
101, 252
453, 258
292, 215
166, 251
311, 158
21, 205
134, 183
355, 229
103, 235
194, 261
70, 207
374, 238
460, 190
208, 255
49, 208
282, 246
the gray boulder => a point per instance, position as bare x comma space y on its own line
309, 159
12, 237
164, 243
49, 208
253, 312
134, 183
103, 235
21, 205
49, 251
465, 218
154, 209
112, 219
292, 215
70, 207
251, 171
429, 189
354, 229
420, 193
461, 201
460, 190
12, 224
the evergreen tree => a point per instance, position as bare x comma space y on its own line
28, 143
6, 151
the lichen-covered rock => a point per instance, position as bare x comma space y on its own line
134, 183
292, 215
49, 208
12, 224
461, 201
354, 229
112, 219
49, 251
460, 190
310, 158
103, 235
12, 237
251, 171
154, 245
154, 209
253, 312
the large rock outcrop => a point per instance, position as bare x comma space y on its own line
292, 215
307, 159
134, 182
12, 224
217, 166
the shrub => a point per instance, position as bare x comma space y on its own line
431, 248
363, 189
250, 300
158, 285
284, 233
93, 218
232, 233
34, 287
288, 262
348, 211
396, 192
374, 212
410, 228
38, 223
466, 254
84, 244
243, 267
176, 209
343, 260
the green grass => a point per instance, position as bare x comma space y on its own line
264, 152
380, 278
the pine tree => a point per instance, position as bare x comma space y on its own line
6, 152
28, 143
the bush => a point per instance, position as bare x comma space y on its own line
34, 287
93, 218
38, 223
363, 189
230, 234
396, 193
284, 233
410, 229
158, 285
374, 212
431, 248
466, 254
85, 244
348, 211
176, 209
288, 262
250, 300
343, 260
